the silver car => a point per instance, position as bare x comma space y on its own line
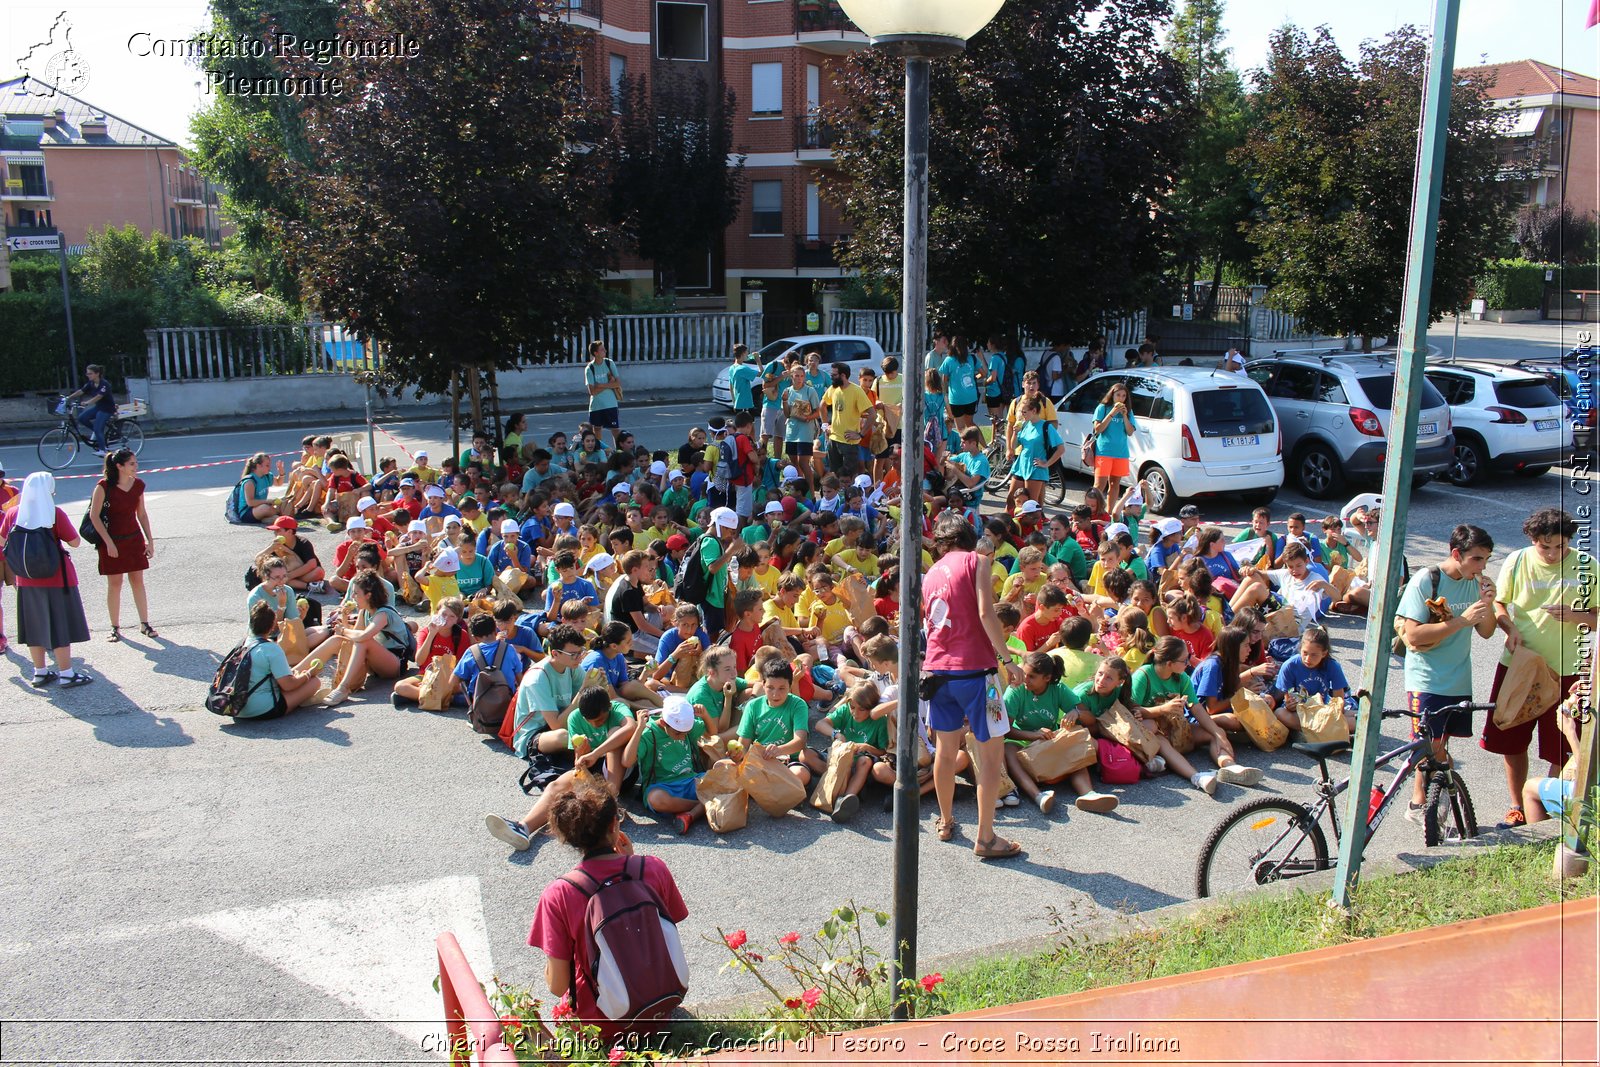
1334, 410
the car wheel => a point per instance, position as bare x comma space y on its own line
1316, 471
1532, 472
1161, 497
1470, 461
1261, 498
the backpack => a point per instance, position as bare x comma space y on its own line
1009, 377
1398, 645
632, 955
1053, 391
491, 696
235, 512
34, 553
690, 586
1117, 764
230, 688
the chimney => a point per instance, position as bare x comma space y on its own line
49, 122
94, 126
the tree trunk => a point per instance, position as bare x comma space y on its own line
495, 426
475, 398
1216, 288
1366, 342
455, 412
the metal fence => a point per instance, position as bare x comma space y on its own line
884, 326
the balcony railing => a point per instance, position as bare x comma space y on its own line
28, 189
594, 9
819, 16
812, 133
819, 251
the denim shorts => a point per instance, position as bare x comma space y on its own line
965, 702
683, 789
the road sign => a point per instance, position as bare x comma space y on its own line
49, 243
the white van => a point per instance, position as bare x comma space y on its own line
1201, 432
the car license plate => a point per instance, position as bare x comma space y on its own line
1232, 442
1428, 429
1546, 424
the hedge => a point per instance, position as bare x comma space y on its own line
1512, 284
33, 336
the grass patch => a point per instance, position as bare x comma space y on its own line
1479, 884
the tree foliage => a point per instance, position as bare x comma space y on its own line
1332, 149
1054, 141
451, 208
672, 188
1555, 233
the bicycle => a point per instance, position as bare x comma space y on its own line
1000, 474
1274, 839
59, 446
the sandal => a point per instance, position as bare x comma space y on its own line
115, 635
947, 829
148, 630
998, 848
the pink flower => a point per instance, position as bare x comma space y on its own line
930, 982
617, 1055
810, 997
562, 1009
789, 939
736, 940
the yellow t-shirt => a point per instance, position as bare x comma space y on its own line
477, 525
768, 581
1527, 585
786, 616
440, 587
1028, 588
423, 475
642, 539
833, 618
893, 392
847, 405
1079, 666
1134, 658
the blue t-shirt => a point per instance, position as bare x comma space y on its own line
1113, 439
559, 594
976, 466
997, 371
526, 635
616, 667
1446, 669
531, 531
960, 380
742, 379
500, 556
441, 511
1208, 679
1294, 674
510, 667
671, 640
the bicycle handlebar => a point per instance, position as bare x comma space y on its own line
1407, 713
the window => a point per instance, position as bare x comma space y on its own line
766, 208
1380, 392
813, 212
619, 74
1329, 391
1295, 382
681, 31
1087, 396
1223, 412
846, 352
766, 88
1526, 393
1149, 398
1455, 388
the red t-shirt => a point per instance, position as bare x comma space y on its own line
342, 549
412, 507
1032, 632
382, 527
1200, 642
559, 930
887, 606
455, 641
744, 644
744, 469
64, 531
345, 483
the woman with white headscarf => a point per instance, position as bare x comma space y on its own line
36, 535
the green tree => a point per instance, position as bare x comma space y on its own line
451, 211
1055, 140
673, 190
1333, 149
1212, 198
1555, 233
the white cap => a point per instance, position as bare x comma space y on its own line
791, 474
1029, 507
675, 475
1168, 527
677, 713
356, 523
727, 518
565, 510
1116, 528
421, 453
433, 490
447, 562
416, 526
509, 527
622, 489
774, 507
366, 502
453, 520
1364, 502
864, 481
658, 468
601, 561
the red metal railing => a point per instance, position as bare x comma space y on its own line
473, 1028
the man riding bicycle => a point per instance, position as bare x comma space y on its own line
98, 406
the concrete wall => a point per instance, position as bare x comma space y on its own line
532, 387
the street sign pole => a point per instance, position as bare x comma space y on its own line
66, 303
1397, 470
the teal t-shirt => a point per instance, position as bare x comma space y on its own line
997, 372
960, 380
770, 725
801, 431
266, 658
1113, 439
600, 375
1446, 669
742, 378
976, 466
874, 732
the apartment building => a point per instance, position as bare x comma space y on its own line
778, 57
69, 166
1554, 130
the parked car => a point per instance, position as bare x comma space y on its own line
1506, 419
1573, 379
856, 350
1201, 432
1334, 410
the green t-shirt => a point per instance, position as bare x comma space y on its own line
755, 533
1068, 551
874, 732
1077, 666
577, 724
1527, 585
664, 758
716, 581
770, 725
1039, 711
1085, 697
711, 699
1149, 689
677, 498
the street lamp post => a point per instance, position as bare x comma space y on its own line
918, 30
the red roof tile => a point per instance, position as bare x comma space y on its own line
1529, 77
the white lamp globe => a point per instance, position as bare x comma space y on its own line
950, 21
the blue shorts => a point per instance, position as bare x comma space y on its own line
1437, 720
961, 702
683, 789
604, 419
1554, 794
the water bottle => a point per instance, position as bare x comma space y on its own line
1374, 801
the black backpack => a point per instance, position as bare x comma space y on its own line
230, 688
34, 553
1010, 377
491, 696
691, 584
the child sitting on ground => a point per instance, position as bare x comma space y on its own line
1078, 664
718, 694
1038, 708
777, 723
1311, 673
1041, 631
853, 720
664, 749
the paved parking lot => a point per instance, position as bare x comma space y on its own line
271, 892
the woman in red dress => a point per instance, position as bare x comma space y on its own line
116, 510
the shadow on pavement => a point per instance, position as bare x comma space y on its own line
116, 719
311, 723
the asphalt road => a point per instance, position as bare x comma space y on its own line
179, 888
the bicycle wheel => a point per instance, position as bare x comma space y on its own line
1447, 813
1056, 491
128, 434
999, 469
58, 448
1259, 843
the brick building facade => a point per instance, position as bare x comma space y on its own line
1554, 130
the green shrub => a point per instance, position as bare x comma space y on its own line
1512, 284
35, 272
33, 337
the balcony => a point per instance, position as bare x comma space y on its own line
28, 190
822, 26
590, 13
813, 139
818, 251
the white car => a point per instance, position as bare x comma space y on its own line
1506, 419
1200, 432
853, 349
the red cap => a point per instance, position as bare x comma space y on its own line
790, 506
676, 542
285, 523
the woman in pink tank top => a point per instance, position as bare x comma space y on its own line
965, 644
